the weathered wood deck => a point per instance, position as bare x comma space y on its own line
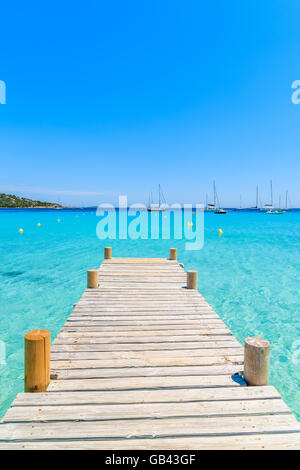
144, 363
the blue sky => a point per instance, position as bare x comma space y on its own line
109, 98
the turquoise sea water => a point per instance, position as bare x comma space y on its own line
250, 276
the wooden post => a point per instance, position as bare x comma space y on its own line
173, 254
37, 361
257, 361
192, 279
107, 252
92, 279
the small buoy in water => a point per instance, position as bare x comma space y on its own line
220, 231
76, 216
190, 224
193, 213
38, 224
21, 230
58, 220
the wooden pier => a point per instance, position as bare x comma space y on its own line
143, 362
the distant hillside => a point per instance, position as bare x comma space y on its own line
10, 200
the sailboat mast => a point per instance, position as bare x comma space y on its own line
214, 185
256, 196
271, 185
218, 202
286, 199
159, 195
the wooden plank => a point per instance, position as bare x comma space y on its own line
137, 325
133, 267
109, 323
150, 285
176, 313
144, 301
92, 331
138, 319
136, 277
141, 261
157, 314
162, 294
152, 281
189, 301
159, 337
150, 428
147, 396
143, 276
111, 298
140, 326
102, 302
148, 305
145, 361
161, 354
144, 383
145, 272
167, 371
133, 342
81, 413
226, 341
287, 441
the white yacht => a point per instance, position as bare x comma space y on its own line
215, 207
269, 207
160, 206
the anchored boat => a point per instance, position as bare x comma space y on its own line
269, 207
240, 208
161, 205
276, 210
219, 210
215, 207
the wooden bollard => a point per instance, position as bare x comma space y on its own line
107, 252
37, 361
92, 279
256, 361
173, 254
192, 279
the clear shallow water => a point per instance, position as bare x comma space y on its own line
250, 276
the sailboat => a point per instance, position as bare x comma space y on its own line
287, 199
211, 207
275, 210
255, 208
215, 207
161, 205
269, 207
218, 208
220, 211
241, 208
